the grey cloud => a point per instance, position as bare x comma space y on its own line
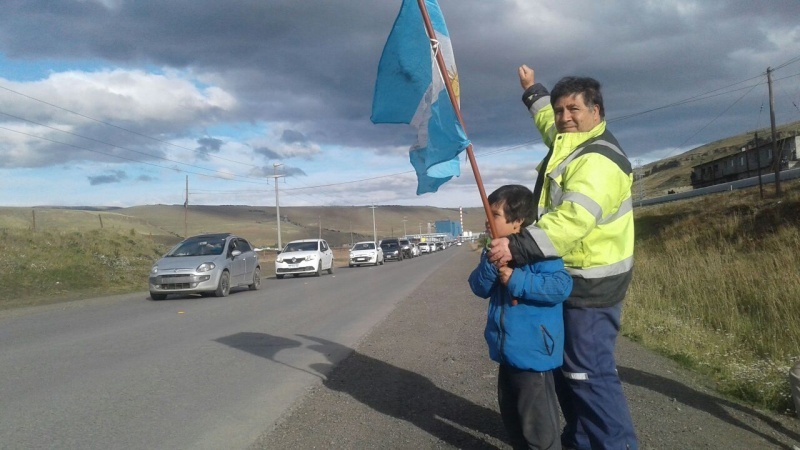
208, 146
293, 137
269, 171
114, 177
267, 153
293, 171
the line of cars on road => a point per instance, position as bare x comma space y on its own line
212, 264
389, 249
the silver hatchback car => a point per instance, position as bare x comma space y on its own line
206, 264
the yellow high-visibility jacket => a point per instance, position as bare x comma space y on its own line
585, 211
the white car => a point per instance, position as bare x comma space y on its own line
424, 247
365, 253
304, 256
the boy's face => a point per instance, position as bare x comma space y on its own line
501, 224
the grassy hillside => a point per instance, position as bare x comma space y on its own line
716, 287
167, 223
674, 172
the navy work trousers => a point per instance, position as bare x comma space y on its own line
588, 386
529, 408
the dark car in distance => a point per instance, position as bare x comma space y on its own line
392, 251
406, 246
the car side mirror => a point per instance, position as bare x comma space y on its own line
236, 253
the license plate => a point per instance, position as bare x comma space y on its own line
294, 266
361, 259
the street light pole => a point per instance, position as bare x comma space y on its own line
374, 230
404, 227
277, 203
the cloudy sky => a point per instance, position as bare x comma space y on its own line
116, 102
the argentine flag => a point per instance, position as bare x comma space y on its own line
410, 89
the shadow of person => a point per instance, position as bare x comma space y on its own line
387, 389
411, 397
704, 402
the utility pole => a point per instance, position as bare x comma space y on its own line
277, 202
758, 163
186, 210
319, 221
776, 158
374, 230
404, 227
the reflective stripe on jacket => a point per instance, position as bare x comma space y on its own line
585, 208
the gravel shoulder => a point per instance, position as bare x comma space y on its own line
422, 379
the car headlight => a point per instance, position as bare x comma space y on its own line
205, 267
154, 270
311, 257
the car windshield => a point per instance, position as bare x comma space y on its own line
198, 247
364, 246
389, 245
301, 247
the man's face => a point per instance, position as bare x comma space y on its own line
573, 115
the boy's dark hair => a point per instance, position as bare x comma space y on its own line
518, 203
589, 87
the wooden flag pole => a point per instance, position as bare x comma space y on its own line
454, 101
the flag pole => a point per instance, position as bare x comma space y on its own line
470, 154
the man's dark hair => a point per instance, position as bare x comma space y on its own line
518, 203
589, 87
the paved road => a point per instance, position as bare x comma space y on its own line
186, 373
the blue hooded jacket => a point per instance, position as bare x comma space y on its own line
529, 335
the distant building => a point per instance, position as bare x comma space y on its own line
448, 227
756, 157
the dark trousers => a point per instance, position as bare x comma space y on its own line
588, 386
529, 408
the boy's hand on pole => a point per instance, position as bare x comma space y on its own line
499, 253
504, 273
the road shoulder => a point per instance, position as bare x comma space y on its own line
423, 379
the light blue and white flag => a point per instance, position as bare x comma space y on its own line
410, 89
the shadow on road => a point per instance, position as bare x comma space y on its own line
710, 404
387, 389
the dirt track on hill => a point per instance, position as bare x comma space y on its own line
423, 379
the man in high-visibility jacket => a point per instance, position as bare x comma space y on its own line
585, 217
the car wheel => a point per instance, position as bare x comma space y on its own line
256, 280
319, 270
330, 269
224, 286
280, 277
381, 262
349, 265
155, 296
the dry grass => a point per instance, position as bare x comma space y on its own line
716, 287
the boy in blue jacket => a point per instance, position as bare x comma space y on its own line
526, 339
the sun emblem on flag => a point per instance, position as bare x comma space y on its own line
453, 75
